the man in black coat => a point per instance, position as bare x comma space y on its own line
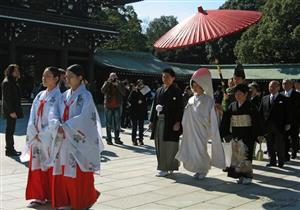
138, 112
254, 97
274, 111
165, 118
293, 100
12, 110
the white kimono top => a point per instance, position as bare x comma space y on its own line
199, 125
38, 125
82, 142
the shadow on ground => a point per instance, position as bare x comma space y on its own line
105, 156
267, 188
145, 149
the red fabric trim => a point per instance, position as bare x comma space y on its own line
39, 113
67, 110
76, 192
38, 183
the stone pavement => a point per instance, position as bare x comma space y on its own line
128, 181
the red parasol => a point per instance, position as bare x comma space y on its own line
207, 25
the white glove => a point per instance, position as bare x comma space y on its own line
158, 108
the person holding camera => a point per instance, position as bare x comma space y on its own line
113, 91
138, 111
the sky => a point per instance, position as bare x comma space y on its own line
147, 10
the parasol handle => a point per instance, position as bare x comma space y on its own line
221, 76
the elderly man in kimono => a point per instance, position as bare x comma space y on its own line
199, 125
242, 124
76, 147
165, 118
39, 140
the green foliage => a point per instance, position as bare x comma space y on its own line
158, 27
223, 49
129, 27
194, 54
276, 39
243, 4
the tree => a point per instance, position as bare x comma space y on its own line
277, 37
158, 27
243, 4
223, 49
129, 27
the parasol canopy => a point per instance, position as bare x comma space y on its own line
207, 25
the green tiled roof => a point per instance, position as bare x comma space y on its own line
252, 71
135, 62
146, 63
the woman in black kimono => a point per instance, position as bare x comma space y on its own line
246, 128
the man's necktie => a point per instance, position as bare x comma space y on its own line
272, 99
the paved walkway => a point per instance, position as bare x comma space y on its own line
128, 181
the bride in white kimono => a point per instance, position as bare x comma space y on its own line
76, 146
39, 140
199, 125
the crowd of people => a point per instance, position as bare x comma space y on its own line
64, 140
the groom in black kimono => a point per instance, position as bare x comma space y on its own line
165, 118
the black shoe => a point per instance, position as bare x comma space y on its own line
109, 142
226, 169
271, 164
280, 165
141, 142
287, 158
294, 155
12, 153
118, 141
134, 142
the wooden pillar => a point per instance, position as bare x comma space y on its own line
12, 52
91, 67
64, 58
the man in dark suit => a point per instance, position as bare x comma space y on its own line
165, 118
274, 111
255, 96
293, 101
11, 106
297, 85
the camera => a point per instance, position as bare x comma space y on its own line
114, 80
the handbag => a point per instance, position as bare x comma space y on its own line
260, 154
227, 147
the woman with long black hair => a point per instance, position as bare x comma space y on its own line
11, 103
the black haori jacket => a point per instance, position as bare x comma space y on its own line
172, 103
11, 97
247, 132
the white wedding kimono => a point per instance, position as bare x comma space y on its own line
199, 125
38, 125
81, 146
